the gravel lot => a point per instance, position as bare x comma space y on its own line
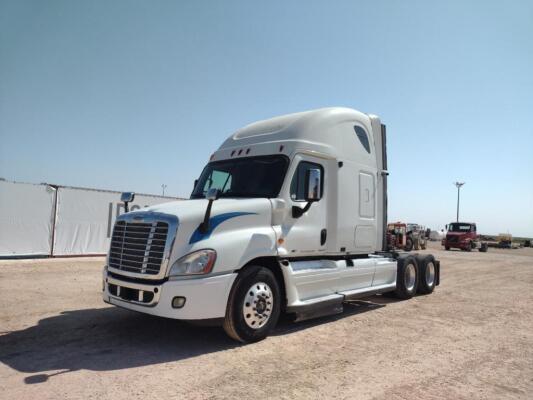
471, 339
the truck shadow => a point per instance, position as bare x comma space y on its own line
352, 307
111, 339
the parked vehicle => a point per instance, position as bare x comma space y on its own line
397, 237
505, 241
463, 235
406, 237
417, 233
288, 216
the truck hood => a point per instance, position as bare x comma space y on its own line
234, 225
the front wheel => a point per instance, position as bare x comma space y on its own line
254, 305
408, 244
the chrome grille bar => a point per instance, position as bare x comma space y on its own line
138, 246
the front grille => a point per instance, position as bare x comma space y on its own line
138, 246
452, 239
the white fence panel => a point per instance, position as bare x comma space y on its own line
85, 219
26, 217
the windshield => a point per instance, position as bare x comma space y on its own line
243, 177
458, 227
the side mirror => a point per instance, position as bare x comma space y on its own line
127, 197
313, 191
195, 183
212, 194
313, 185
446, 226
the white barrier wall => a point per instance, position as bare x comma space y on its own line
26, 212
83, 219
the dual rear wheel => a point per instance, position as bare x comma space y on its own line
415, 274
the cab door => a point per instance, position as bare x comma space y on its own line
304, 232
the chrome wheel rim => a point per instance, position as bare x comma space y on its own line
257, 306
430, 274
410, 277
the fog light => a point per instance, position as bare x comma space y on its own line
178, 302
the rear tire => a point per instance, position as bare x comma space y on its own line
406, 278
254, 305
446, 248
427, 274
468, 247
483, 248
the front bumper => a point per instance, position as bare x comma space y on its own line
455, 245
206, 297
458, 244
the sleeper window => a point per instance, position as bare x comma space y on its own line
363, 137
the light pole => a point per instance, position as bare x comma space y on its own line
163, 186
458, 184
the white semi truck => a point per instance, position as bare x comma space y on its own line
288, 216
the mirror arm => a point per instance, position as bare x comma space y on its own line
204, 226
297, 212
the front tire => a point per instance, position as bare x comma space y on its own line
254, 305
406, 278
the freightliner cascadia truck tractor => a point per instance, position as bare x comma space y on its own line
288, 216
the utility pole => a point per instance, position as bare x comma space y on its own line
163, 186
458, 184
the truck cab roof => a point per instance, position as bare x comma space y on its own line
327, 131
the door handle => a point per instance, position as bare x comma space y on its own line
323, 236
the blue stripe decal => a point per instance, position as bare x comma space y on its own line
213, 223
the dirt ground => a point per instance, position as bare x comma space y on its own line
471, 339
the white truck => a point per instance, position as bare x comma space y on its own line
288, 216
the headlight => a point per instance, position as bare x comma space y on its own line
197, 263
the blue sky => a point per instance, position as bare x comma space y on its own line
128, 95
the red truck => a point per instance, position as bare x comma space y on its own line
463, 235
